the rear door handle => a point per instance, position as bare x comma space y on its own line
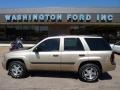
81, 55
55, 55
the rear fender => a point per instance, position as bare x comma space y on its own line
85, 59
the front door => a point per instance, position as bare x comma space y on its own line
48, 55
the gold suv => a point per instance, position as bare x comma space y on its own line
87, 55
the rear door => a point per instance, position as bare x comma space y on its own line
99, 49
72, 51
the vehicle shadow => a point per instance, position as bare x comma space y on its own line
54, 74
72, 75
105, 76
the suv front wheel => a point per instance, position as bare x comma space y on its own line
89, 72
17, 69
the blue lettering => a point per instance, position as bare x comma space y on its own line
41, 17
59, 17
35, 17
19, 17
7, 17
75, 17
88, 17
110, 17
52, 17
24, 17
14, 18
81, 17
103, 17
69, 17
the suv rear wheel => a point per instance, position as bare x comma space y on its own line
17, 69
89, 72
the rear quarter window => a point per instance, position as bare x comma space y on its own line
97, 44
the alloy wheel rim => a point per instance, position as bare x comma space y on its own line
16, 70
90, 73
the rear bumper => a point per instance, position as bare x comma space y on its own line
108, 67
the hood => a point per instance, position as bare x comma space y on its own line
27, 48
17, 53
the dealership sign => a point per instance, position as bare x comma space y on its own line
58, 18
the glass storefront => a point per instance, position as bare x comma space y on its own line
34, 24
110, 33
27, 32
35, 33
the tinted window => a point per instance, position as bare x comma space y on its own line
97, 44
72, 44
49, 45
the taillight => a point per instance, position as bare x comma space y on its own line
112, 58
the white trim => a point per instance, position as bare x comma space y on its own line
8, 45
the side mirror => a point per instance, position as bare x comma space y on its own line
36, 50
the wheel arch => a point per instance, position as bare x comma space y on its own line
93, 62
13, 59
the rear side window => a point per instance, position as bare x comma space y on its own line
73, 44
97, 44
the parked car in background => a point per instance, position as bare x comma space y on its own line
116, 47
87, 55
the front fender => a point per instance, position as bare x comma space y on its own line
23, 58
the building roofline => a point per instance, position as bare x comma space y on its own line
59, 10
56, 7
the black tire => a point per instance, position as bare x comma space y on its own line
17, 69
89, 72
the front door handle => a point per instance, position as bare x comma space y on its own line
81, 55
55, 55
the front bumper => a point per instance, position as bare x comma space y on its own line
4, 63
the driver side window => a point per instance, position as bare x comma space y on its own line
49, 45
